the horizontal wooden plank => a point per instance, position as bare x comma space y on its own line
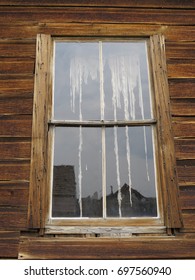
16, 66
183, 107
95, 248
181, 50
183, 128
97, 15
9, 244
182, 88
105, 3
179, 33
185, 148
189, 218
186, 171
21, 30
16, 126
14, 171
181, 69
14, 195
19, 85
13, 218
19, 105
187, 198
17, 48
15, 150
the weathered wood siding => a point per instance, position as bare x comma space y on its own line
20, 23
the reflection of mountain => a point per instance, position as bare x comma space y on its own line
65, 202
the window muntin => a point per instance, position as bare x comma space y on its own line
103, 88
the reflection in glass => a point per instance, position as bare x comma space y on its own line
77, 185
91, 77
103, 81
130, 174
76, 82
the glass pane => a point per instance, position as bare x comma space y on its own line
130, 172
126, 82
101, 80
76, 83
77, 183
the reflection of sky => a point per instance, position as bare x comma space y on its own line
67, 139
67, 52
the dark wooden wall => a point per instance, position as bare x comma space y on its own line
20, 22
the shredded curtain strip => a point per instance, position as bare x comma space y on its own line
125, 77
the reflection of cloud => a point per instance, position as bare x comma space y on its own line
90, 92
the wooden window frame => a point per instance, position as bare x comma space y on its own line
40, 178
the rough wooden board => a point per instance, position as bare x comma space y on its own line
15, 105
95, 248
13, 218
187, 198
182, 88
186, 171
180, 69
183, 127
14, 149
14, 194
97, 15
16, 126
17, 170
183, 107
9, 244
114, 3
185, 148
175, 50
21, 30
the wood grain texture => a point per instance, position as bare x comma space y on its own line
16, 66
189, 219
14, 150
21, 30
13, 218
15, 105
9, 244
135, 248
181, 69
39, 157
105, 3
18, 170
181, 50
20, 85
183, 107
17, 48
182, 88
16, 126
97, 15
184, 128
185, 148
14, 194
186, 171
187, 198
164, 129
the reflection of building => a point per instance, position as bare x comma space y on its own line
141, 205
64, 202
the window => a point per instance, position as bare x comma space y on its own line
102, 150
104, 156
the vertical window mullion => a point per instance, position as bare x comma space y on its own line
104, 171
102, 105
